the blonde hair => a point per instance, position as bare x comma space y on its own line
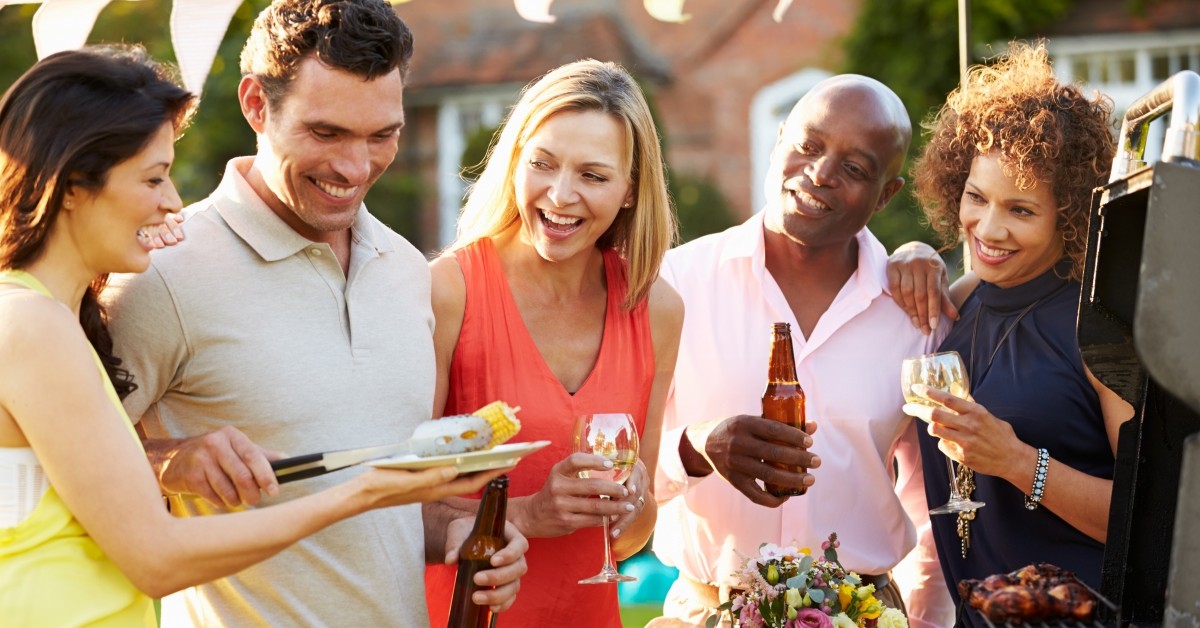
642, 233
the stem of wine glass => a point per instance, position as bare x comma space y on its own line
608, 566
954, 495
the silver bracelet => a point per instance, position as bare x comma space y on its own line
1039, 480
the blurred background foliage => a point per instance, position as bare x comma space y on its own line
911, 45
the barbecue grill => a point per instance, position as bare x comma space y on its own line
1138, 336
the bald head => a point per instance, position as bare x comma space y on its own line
869, 101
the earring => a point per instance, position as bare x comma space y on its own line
67, 204
627, 204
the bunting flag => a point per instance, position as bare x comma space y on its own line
64, 24
780, 9
666, 10
197, 27
534, 10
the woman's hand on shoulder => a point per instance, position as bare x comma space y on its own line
567, 503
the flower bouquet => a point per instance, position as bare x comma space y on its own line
787, 587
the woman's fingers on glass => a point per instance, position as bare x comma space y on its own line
923, 412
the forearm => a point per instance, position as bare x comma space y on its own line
437, 517
217, 546
1081, 500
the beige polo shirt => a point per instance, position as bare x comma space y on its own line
246, 323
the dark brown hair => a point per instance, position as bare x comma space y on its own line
363, 37
65, 124
1046, 132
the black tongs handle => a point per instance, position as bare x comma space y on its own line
281, 466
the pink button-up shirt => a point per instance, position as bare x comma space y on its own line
850, 371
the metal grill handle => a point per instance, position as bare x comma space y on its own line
1180, 95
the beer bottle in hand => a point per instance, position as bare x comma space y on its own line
783, 400
486, 538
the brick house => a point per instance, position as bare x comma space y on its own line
720, 93
721, 82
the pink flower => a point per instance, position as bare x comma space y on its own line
750, 617
810, 618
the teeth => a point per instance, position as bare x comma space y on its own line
809, 201
333, 190
991, 252
560, 220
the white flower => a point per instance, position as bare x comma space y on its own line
842, 621
771, 550
891, 618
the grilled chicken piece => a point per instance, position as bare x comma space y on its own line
1031, 593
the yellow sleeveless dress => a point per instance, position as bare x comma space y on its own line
51, 572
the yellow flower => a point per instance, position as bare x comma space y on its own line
772, 574
892, 618
806, 551
870, 607
791, 612
845, 594
792, 598
865, 591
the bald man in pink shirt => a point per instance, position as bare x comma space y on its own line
809, 260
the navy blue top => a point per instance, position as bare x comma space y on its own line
1035, 380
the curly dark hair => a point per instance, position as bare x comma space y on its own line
363, 37
1045, 131
65, 124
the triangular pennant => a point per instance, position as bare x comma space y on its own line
666, 10
64, 24
534, 10
197, 27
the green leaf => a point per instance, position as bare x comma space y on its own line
799, 581
806, 563
817, 595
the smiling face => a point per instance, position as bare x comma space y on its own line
834, 165
572, 179
1013, 233
107, 227
324, 146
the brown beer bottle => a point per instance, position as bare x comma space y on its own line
486, 538
783, 400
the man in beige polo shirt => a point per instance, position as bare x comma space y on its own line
293, 321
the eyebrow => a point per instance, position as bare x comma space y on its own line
1011, 201
587, 164
341, 129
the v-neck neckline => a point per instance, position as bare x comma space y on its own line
543, 366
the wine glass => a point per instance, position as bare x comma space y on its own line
613, 436
943, 371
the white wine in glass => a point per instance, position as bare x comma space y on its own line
943, 371
615, 437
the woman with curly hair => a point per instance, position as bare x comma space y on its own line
1011, 163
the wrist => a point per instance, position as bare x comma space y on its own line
694, 463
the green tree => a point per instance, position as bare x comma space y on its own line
912, 46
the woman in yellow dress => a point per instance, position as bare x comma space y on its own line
86, 145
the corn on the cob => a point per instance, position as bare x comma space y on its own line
503, 420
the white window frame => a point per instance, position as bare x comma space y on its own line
491, 103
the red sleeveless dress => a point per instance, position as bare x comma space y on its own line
496, 359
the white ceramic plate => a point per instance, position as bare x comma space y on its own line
504, 455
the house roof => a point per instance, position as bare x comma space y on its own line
501, 50
1096, 17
